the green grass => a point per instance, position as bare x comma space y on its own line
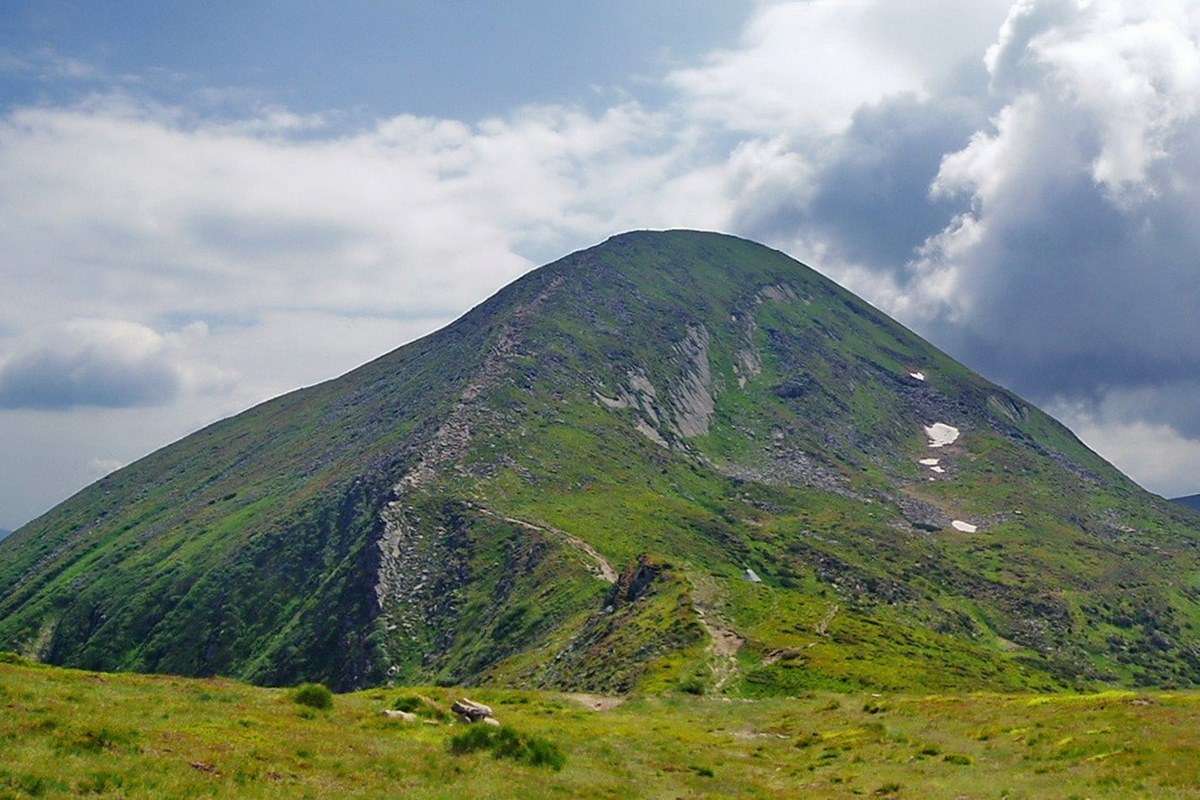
67, 733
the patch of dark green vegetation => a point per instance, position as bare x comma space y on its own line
504, 742
313, 695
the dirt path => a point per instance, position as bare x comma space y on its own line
596, 702
724, 641
599, 564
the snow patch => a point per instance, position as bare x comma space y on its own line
752, 576
940, 434
917, 375
929, 462
938, 470
965, 527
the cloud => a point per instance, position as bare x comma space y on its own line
806, 67
128, 205
105, 363
1073, 267
1155, 454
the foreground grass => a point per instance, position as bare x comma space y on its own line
72, 733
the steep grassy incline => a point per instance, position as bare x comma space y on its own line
674, 460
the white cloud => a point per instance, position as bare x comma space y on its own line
1154, 454
805, 67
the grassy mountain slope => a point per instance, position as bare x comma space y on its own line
81, 734
568, 486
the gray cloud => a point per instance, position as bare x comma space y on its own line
1075, 270
101, 363
869, 197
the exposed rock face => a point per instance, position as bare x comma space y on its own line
692, 400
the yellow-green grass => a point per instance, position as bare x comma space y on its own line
73, 733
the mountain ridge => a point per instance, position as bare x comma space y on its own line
1191, 501
569, 485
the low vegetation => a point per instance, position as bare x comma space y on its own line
313, 695
67, 733
536, 751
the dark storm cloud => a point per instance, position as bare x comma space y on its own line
869, 197
873, 197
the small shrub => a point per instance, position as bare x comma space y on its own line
313, 695
507, 743
955, 758
887, 789
703, 772
692, 686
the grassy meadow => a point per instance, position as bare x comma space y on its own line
68, 733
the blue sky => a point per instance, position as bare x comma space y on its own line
205, 205
457, 59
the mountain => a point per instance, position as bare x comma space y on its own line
1191, 501
4, 532
673, 460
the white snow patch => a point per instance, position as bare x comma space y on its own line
938, 470
965, 527
752, 576
918, 375
940, 434
929, 462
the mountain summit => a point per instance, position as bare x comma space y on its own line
673, 460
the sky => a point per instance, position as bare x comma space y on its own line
205, 205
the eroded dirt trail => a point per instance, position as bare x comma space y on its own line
724, 641
599, 564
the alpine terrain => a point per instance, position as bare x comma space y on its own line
675, 460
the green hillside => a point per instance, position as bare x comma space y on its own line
672, 461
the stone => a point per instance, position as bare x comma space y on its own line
395, 713
471, 710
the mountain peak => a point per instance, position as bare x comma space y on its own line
674, 458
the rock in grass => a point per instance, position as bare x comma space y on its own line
491, 721
393, 713
470, 710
